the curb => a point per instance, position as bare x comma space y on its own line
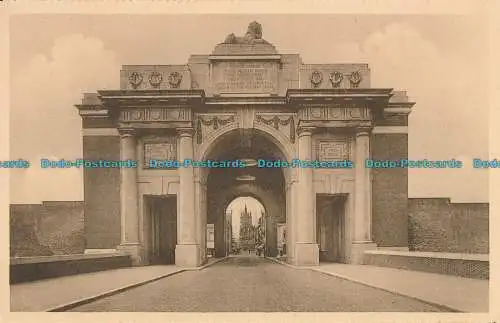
87, 300
441, 306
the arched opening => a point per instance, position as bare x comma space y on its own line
266, 185
246, 227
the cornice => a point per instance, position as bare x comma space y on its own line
311, 95
246, 100
151, 93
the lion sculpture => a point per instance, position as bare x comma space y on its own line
253, 35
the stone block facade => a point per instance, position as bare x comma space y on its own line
50, 228
436, 224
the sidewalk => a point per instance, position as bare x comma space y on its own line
57, 293
456, 293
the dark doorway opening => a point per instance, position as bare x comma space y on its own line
330, 220
163, 217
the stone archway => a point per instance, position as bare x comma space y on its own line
221, 186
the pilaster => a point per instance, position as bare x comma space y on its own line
306, 248
129, 207
187, 252
362, 199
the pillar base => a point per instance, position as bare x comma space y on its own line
358, 251
306, 254
134, 250
187, 255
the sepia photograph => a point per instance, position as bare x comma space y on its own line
249, 163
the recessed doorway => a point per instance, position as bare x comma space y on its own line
162, 212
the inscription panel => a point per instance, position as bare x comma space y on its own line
161, 149
333, 150
245, 77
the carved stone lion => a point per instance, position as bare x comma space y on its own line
253, 35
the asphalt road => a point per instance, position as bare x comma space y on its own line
251, 284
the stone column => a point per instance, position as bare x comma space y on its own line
129, 196
187, 251
362, 199
306, 248
290, 225
200, 212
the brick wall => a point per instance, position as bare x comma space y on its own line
436, 224
390, 192
50, 228
102, 193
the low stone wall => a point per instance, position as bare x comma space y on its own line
456, 264
35, 268
437, 225
50, 228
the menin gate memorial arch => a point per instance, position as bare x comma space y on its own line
245, 101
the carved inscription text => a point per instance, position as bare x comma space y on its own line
245, 77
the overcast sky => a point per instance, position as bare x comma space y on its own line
439, 60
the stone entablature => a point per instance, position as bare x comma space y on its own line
321, 108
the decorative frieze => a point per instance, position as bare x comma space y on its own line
336, 112
155, 114
336, 149
155, 77
280, 122
207, 123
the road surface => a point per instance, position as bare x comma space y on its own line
253, 284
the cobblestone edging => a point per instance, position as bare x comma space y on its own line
94, 298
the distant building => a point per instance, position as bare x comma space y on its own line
247, 230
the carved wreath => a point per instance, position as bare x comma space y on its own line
336, 78
276, 122
155, 79
214, 122
135, 79
316, 78
174, 79
355, 79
